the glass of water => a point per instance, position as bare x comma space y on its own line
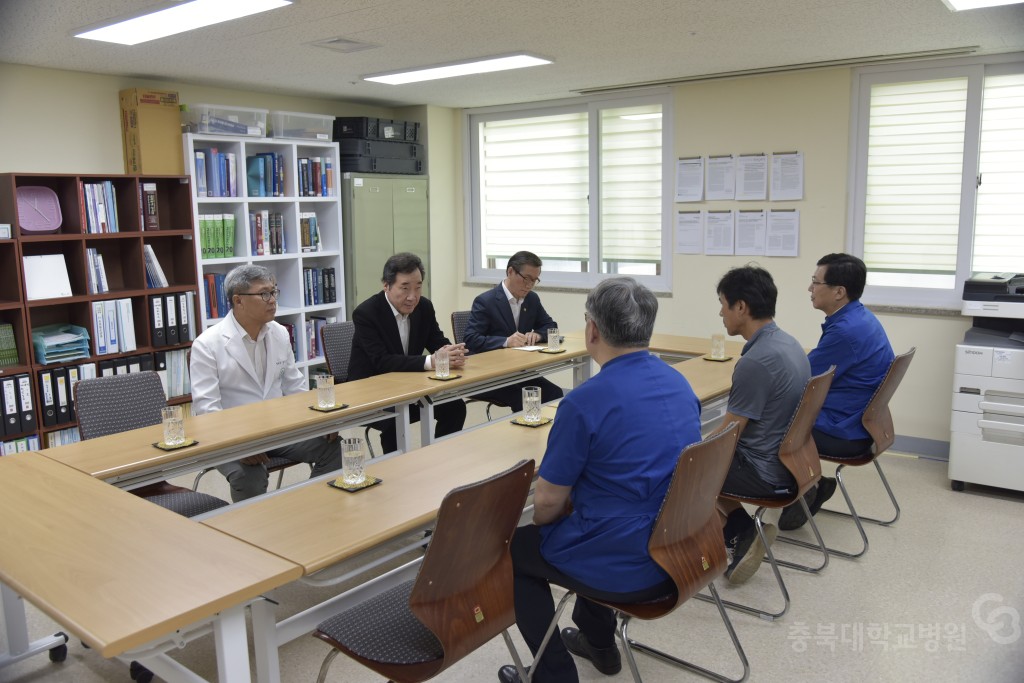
554, 341
531, 404
174, 425
325, 391
352, 456
718, 346
441, 363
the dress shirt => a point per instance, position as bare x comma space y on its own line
514, 303
403, 332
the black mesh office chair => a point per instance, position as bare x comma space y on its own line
459, 321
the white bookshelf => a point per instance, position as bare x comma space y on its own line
287, 267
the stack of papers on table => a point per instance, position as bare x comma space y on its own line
60, 343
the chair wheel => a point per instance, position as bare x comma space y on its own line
956, 485
59, 653
140, 673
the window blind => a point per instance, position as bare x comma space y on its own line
999, 215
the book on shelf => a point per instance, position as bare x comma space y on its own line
96, 274
110, 325
309, 228
200, 161
8, 346
155, 276
172, 367
150, 207
62, 437
126, 325
216, 301
255, 170
100, 207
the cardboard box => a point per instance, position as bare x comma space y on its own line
151, 132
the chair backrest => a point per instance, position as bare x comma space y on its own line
463, 592
337, 342
797, 451
459, 321
686, 540
118, 403
877, 417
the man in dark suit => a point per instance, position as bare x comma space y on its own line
392, 329
508, 316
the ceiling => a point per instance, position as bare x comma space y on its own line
594, 43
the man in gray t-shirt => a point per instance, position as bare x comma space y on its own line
767, 385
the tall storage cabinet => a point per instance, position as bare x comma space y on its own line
290, 267
124, 265
383, 215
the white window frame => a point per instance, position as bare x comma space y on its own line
975, 70
476, 273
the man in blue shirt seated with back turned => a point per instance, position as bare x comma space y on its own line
854, 341
609, 459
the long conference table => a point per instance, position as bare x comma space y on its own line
284, 536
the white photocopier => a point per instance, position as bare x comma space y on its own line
986, 443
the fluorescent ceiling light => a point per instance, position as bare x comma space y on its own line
477, 66
961, 5
641, 117
178, 19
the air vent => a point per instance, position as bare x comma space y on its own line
344, 45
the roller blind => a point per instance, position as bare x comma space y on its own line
999, 216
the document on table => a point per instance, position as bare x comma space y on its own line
718, 232
721, 178
689, 232
528, 348
787, 176
751, 177
783, 233
690, 179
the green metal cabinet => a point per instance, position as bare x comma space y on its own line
381, 215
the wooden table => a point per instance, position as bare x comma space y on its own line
121, 573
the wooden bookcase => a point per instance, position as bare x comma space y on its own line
288, 267
124, 263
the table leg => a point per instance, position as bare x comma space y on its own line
426, 422
402, 426
232, 648
264, 633
18, 646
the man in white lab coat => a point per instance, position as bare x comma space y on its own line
247, 357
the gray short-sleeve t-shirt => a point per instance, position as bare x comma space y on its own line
767, 384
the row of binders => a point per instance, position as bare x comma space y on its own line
217, 235
113, 325
319, 286
62, 437
25, 443
172, 318
16, 405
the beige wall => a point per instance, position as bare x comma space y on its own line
807, 112
67, 122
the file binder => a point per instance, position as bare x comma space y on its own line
171, 318
46, 397
146, 362
73, 377
158, 331
60, 381
12, 418
110, 312
28, 413
183, 318
106, 368
134, 364
99, 332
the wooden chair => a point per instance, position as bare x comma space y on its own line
118, 403
686, 541
461, 598
878, 422
800, 456
459, 321
336, 339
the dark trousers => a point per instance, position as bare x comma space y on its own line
535, 607
840, 448
448, 419
512, 396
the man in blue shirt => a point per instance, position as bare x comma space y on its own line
767, 385
609, 459
854, 341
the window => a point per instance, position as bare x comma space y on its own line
937, 178
582, 185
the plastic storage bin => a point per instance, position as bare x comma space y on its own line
217, 119
290, 124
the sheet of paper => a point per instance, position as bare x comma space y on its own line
787, 176
689, 232
783, 233
528, 348
750, 228
721, 178
690, 179
751, 177
46, 276
718, 232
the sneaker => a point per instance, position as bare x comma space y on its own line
747, 554
793, 516
606, 659
826, 488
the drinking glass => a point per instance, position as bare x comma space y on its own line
352, 454
531, 404
441, 363
174, 425
325, 391
554, 341
718, 346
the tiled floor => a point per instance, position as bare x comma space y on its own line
938, 597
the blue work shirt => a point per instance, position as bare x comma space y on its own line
854, 341
615, 441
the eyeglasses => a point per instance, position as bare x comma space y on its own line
586, 317
532, 281
266, 296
